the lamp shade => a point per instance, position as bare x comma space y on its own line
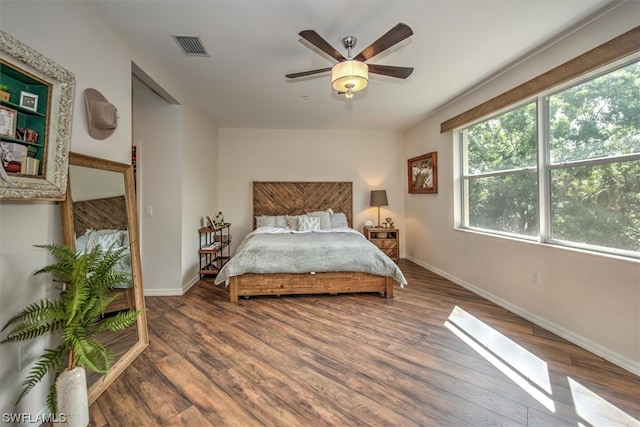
349, 76
379, 198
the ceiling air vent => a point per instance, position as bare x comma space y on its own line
191, 45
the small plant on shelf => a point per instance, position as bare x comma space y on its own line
4, 92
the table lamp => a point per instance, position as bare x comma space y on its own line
379, 198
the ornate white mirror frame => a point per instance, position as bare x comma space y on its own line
50, 182
92, 175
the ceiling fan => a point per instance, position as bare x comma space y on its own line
350, 75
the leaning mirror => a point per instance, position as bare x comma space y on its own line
100, 209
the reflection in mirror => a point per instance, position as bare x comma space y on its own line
100, 210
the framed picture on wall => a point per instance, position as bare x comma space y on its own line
423, 174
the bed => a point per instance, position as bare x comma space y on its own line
277, 258
103, 222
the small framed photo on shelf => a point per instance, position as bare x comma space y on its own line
29, 100
210, 223
8, 118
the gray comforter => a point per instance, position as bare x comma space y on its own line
269, 252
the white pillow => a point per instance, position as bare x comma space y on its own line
281, 221
339, 220
265, 221
308, 223
105, 239
324, 218
81, 243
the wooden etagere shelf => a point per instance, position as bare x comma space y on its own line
215, 249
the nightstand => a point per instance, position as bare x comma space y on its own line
387, 239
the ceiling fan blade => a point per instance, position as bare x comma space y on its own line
386, 70
307, 73
315, 39
392, 37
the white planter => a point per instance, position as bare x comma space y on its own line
72, 399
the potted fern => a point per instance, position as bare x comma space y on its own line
87, 277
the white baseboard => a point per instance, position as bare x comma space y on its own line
190, 284
615, 358
171, 292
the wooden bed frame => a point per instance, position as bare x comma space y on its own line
295, 198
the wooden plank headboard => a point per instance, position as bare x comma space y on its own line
100, 214
296, 198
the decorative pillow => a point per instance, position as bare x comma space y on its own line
281, 221
339, 220
292, 222
308, 223
125, 262
81, 243
323, 217
265, 221
105, 239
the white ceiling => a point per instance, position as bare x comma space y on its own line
253, 43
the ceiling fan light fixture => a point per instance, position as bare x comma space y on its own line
349, 76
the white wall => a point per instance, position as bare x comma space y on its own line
91, 183
158, 137
199, 186
177, 158
369, 159
593, 300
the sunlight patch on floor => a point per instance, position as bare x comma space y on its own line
531, 373
524, 368
595, 410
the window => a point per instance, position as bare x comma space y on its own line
562, 168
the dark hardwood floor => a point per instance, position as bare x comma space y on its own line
435, 355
